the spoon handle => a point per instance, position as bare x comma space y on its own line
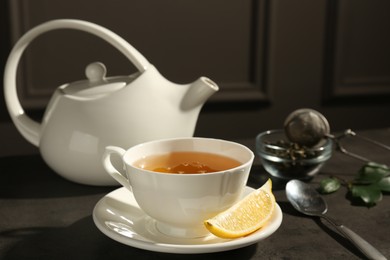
365, 247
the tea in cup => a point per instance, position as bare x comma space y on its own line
183, 181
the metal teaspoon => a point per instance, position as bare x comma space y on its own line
308, 201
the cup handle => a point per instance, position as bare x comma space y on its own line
119, 176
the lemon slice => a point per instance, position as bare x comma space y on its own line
246, 216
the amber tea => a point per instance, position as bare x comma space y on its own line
187, 163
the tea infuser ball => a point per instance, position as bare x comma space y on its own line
306, 127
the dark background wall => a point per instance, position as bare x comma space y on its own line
269, 57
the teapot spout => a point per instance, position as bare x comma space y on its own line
198, 92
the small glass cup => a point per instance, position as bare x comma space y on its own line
286, 160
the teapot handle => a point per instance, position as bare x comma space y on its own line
29, 128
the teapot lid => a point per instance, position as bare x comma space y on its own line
97, 84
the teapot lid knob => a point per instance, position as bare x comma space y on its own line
97, 85
96, 72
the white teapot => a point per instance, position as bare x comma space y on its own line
83, 117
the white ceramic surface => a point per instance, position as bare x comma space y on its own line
84, 117
180, 202
119, 217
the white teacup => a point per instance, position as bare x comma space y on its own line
181, 202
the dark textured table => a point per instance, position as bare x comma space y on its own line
43, 216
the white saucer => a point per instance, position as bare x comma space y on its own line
119, 217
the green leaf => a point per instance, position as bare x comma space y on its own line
329, 185
384, 184
378, 165
369, 194
372, 172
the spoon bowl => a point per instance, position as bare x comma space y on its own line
308, 201
305, 199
